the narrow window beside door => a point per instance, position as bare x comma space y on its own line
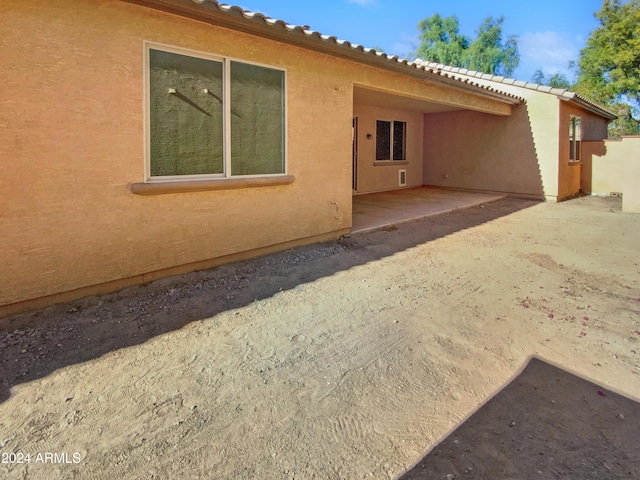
575, 139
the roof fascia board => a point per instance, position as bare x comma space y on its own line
581, 102
209, 12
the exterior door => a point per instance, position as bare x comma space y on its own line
354, 155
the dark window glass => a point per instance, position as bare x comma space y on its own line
399, 137
383, 140
257, 120
575, 136
187, 117
185, 122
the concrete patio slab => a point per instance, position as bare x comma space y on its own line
377, 210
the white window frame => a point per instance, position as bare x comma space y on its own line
575, 143
226, 82
404, 139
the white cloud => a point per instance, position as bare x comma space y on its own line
404, 46
551, 51
363, 3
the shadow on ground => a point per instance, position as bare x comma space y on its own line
546, 424
35, 344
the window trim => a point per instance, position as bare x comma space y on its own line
575, 144
160, 188
391, 160
226, 176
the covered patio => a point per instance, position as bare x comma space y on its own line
377, 210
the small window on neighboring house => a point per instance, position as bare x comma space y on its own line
213, 117
575, 139
391, 140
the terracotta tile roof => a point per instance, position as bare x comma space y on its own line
234, 17
562, 93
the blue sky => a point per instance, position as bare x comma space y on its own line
551, 33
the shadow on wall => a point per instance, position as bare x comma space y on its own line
590, 149
472, 150
546, 423
35, 344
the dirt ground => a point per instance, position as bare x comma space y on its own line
343, 360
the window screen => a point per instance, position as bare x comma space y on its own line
193, 114
383, 140
257, 120
399, 137
186, 126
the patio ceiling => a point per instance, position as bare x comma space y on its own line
377, 98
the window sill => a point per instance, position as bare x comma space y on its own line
386, 163
575, 162
161, 188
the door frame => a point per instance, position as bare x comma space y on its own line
354, 155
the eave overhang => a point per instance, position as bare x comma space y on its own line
235, 18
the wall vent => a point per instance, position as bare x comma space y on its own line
402, 178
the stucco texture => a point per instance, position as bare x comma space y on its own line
525, 154
631, 185
517, 154
572, 175
614, 168
482, 152
73, 128
73, 144
378, 176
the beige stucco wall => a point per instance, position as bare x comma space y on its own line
378, 176
72, 143
615, 168
527, 153
608, 162
630, 151
516, 154
572, 175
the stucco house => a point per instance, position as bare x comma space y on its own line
146, 138
543, 140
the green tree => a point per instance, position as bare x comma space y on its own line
557, 80
539, 77
489, 53
625, 124
609, 66
442, 42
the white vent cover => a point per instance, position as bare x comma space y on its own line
402, 178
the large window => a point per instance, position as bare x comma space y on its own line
391, 140
213, 117
575, 139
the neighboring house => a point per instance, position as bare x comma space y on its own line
536, 151
146, 138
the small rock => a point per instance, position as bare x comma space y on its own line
451, 476
512, 424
